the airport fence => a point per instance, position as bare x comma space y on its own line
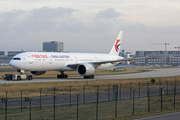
90, 102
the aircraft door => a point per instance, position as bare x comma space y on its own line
30, 60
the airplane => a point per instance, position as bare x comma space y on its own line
84, 63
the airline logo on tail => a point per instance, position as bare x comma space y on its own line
117, 45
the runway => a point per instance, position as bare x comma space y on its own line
165, 72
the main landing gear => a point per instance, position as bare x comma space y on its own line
62, 75
89, 77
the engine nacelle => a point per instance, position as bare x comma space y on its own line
37, 72
85, 69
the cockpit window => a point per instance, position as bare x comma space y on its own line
16, 58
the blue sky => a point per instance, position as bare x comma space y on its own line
89, 26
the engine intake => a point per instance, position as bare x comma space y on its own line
85, 69
37, 72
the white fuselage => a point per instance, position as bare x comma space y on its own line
54, 61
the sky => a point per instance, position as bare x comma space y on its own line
89, 25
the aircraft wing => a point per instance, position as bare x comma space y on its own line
95, 64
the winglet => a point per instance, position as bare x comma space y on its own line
116, 47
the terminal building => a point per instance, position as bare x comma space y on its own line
13, 53
6, 58
125, 54
160, 58
2, 54
53, 46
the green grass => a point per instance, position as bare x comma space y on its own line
106, 110
32, 89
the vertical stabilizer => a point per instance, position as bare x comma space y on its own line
116, 47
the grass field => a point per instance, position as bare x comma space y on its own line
106, 110
32, 89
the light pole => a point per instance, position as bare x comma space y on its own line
177, 48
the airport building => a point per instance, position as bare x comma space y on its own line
2, 54
13, 53
125, 54
160, 58
53, 46
5, 59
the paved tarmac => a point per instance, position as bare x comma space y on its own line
7, 70
170, 116
165, 72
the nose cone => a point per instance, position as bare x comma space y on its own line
14, 64
11, 63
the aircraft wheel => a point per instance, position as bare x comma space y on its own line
30, 78
89, 77
18, 78
66, 76
62, 76
58, 76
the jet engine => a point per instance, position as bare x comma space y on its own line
37, 72
85, 69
